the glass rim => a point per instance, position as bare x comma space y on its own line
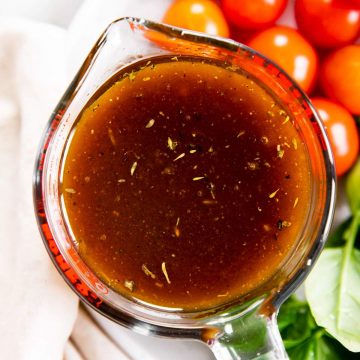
234, 47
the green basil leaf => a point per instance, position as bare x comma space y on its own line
304, 352
331, 349
321, 347
333, 292
352, 187
303, 338
357, 119
336, 238
295, 321
318, 347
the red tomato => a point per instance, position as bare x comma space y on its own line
326, 23
253, 14
291, 51
342, 132
340, 77
198, 15
348, 4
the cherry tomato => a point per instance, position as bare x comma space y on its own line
291, 51
326, 23
348, 4
198, 15
340, 77
342, 132
253, 14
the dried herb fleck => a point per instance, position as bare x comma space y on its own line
171, 144
163, 268
283, 224
129, 284
296, 202
211, 186
209, 202
177, 231
132, 76
111, 136
273, 194
133, 168
70, 191
147, 272
150, 124
287, 118
176, 228
223, 295
179, 157
252, 165
294, 142
267, 227
280, 151
146, 65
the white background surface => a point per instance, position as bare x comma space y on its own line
57, 12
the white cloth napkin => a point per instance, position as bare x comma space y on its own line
37, 61
37, 311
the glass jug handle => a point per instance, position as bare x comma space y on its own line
247, 337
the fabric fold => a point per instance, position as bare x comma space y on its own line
37, 309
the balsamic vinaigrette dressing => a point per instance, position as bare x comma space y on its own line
185, 183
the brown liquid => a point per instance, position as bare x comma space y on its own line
185, 184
